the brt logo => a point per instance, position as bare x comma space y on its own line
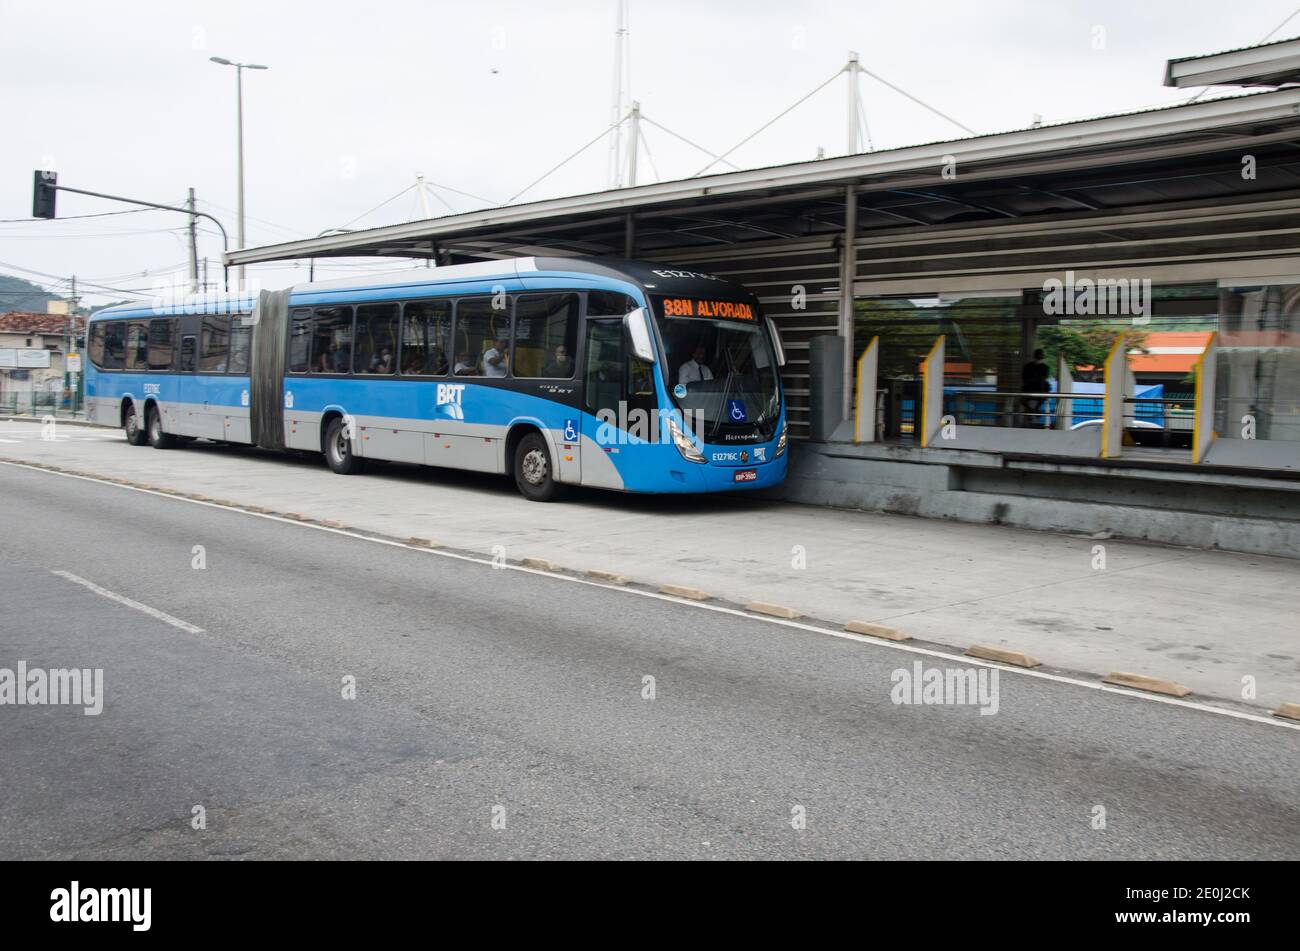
449, 395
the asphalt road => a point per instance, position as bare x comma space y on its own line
484, 694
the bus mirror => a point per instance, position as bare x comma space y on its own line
638, 328
776, 342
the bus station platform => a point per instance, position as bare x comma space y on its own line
1146, 495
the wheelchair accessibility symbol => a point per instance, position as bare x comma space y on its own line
570, 430
736, 410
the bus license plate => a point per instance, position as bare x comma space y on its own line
746, 475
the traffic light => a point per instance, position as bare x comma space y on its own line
43, 192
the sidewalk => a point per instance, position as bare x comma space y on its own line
1203, 619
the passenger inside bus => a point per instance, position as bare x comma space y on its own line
464, 365
560, 365
496, 361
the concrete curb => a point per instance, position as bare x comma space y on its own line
681, 591
1002, 655
876, 630
1288, 711
608, 577
541, 564
774, 610
1119, 678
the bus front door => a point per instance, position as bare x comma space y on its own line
603, 361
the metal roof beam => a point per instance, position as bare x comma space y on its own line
1042, 149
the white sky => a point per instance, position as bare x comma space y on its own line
361, 97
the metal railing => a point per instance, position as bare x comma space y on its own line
966, 408
31, 403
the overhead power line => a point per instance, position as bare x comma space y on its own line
133, 292
102, 214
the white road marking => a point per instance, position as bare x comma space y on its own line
10, 440
960, 659
122, 599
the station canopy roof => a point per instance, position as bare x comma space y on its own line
1168, 157
1269, 64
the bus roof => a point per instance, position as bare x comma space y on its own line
657, 277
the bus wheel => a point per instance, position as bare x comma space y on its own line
135, 433
338, 449
157, 438
533, 471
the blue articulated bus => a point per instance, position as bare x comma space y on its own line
616, 374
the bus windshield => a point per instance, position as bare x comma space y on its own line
720, 366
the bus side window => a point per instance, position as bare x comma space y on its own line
214, 340
331, 340
375, 344
95, 348
546, 336
137, 345
300, 341
162, 339
241, 337
188, 349
426, 333
115, 345
479, 326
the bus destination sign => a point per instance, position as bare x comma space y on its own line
715, 309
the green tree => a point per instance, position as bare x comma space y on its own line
1085, 345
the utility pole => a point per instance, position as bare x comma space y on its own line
239, 118
633, 143
194, 246
239, 96
852, 70
69, 345
616, 109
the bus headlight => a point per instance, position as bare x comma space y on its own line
780, 443
683, 443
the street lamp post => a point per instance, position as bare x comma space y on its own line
239, 100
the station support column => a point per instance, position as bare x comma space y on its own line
848, 274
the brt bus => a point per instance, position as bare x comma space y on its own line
616, 374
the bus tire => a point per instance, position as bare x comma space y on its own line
534, 473
136, 434
338, 449
154, 431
